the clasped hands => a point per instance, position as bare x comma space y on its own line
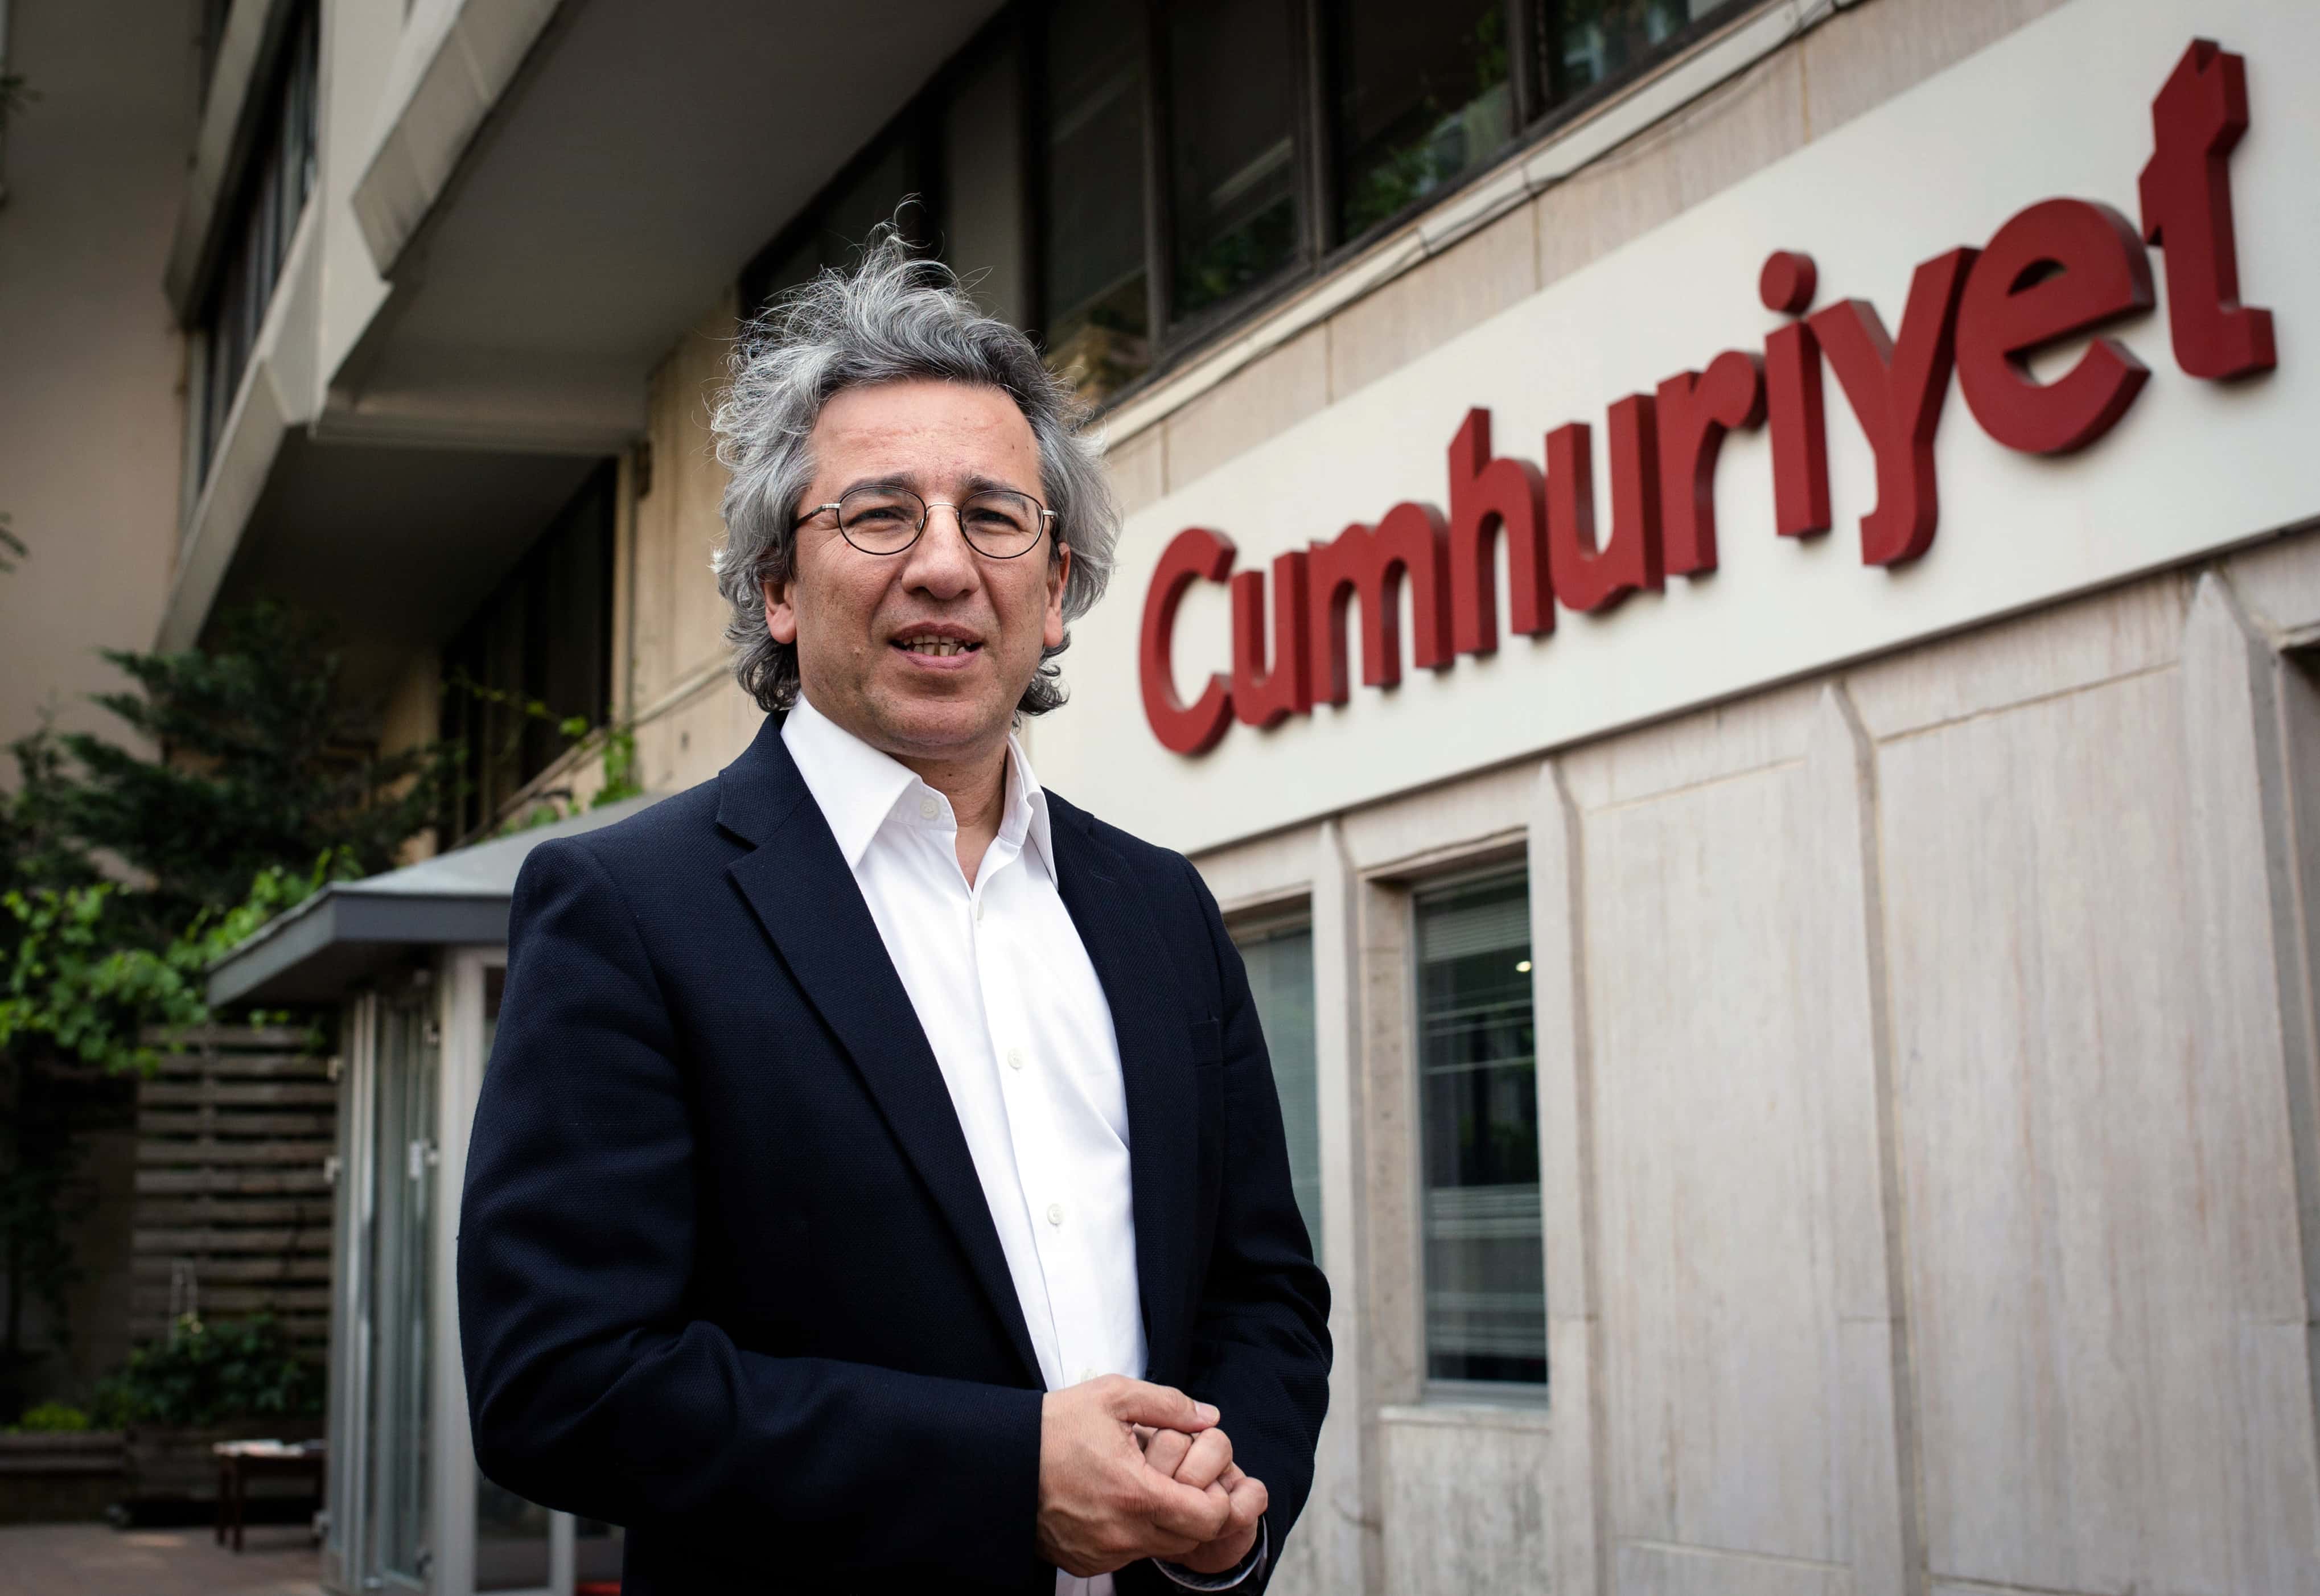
1130, 1470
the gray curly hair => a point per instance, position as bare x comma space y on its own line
894, 317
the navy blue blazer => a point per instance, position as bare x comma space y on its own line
726, 1274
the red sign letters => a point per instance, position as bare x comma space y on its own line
2060, 269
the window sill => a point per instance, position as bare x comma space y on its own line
1466, 1413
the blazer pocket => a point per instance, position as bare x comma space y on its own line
1207, 1041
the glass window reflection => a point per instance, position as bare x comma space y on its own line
1098, 327
1279, 963
1423, 97
1586, 43
1232, 83
1477, 1104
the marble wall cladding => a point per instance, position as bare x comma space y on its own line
1929, 1111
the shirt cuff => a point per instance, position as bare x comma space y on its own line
1250, 1566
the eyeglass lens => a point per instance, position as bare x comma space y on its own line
998, 521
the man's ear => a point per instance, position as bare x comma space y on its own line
781, 618
1059, 570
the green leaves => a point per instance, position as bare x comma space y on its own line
263, 767
71, 983
210, 1372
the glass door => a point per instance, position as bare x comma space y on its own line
397, 1539
495, 1541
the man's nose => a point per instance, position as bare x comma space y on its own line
942, 561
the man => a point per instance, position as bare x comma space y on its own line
878, 1183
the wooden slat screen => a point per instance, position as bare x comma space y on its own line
232, 1135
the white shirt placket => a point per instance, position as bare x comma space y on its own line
1049, 1194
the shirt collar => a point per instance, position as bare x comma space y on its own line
857, 787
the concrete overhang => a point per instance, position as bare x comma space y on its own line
557, 191
326, 948
396, 544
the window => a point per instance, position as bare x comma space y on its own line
1585, 43
264, 213
1280, 962
544, 639
1232, 147
1424, 96
1098, 321
1130, 177
1484, 1261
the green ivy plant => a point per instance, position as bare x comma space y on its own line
50, 1418
74, 985
205, 1373
617, 753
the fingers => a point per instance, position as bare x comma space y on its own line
1204, 1459
1166, 1453
1198, 1516
1250, 1498
1163, 1407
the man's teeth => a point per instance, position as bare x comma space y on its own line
937, 646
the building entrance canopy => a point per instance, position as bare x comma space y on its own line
350, 932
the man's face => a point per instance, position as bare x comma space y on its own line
855, 617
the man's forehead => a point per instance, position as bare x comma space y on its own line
925, 406
909, 429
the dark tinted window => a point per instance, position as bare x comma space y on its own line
535, 654
1232, 145
1478, 1117
1099, 320
1423, 97
271, 197
1586, 43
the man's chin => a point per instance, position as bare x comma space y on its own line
938, 725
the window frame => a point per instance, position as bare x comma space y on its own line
1019, 28
1486, 866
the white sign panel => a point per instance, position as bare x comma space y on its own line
2062, 108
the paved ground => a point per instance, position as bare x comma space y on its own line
97, 1560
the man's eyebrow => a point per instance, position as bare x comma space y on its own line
973, 482
886, 483
977, 484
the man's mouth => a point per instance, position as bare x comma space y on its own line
937, 645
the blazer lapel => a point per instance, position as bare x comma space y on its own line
1151, 1020
799, 886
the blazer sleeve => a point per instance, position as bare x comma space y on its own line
591, 1385
1260, 1348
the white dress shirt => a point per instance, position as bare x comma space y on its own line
1021, 1029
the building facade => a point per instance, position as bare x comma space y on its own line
1784, 927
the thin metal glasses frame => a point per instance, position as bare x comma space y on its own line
926, 512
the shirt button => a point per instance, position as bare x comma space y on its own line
978, 911
1055, 1213
929, 806
1014, 1058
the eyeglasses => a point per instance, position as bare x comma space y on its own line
998, 522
